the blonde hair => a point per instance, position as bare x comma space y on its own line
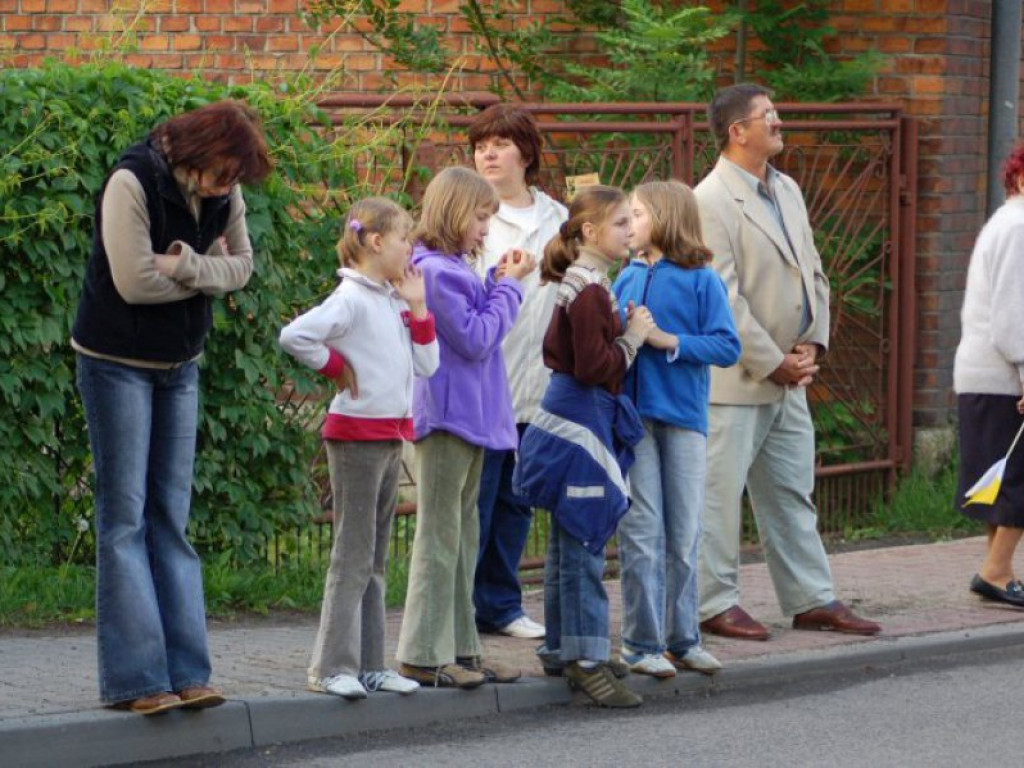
373, 215
449, 205
675, 222
593, 203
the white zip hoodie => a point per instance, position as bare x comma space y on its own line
368, 326
523, 347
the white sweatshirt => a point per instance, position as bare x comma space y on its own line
990, 357
368, 327
523, 347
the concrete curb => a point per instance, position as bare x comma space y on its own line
103, 737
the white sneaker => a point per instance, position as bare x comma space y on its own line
652, 664
524, 628
345, 686
387, 680
697, 659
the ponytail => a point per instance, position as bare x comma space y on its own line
591, 204
559, 254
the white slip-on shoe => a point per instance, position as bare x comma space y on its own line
652, 664
346, 686
387, 680
696, 659
523, 628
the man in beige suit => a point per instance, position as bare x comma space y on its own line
760, 432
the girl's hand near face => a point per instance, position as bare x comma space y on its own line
518, 264
413, 288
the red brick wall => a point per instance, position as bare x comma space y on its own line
238, 39
938, 67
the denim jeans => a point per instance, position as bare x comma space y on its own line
504, 528
659, 539
575, 603
150, 613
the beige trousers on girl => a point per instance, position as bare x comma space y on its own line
439, 621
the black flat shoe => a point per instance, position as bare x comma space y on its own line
1013, 594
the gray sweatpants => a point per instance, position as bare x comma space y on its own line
364, 482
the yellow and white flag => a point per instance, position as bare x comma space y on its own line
987, 488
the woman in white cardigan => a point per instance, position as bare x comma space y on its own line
987, 376
506, 148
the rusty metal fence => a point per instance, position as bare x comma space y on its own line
856, 165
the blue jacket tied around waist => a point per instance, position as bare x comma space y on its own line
573, 459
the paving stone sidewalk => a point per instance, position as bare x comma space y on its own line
911, 590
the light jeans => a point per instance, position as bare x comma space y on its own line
575, 602
439, 619
364, 484
771, 447
150, 613
659, 539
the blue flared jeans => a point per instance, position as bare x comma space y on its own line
150, 612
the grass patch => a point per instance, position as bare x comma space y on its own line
37, 597
920, 506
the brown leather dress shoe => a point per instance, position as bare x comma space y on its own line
201, 697
736, 623
837, 617
156, 704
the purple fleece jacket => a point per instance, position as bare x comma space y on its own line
469, 395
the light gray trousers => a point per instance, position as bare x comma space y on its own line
364, 482
770, 449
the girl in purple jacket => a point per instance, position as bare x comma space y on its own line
457, 413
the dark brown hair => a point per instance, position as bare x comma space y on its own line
507, 121
675, 222
593, 203
225, 135
729, 105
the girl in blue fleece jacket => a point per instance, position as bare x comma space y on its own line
659, 535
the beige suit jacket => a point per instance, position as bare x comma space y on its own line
765, 278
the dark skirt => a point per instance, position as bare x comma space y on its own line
988, 424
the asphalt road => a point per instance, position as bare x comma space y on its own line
950, 711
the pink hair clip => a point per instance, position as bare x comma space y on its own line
355, 225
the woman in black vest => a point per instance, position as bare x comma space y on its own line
170, 232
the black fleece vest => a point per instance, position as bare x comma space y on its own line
172, 332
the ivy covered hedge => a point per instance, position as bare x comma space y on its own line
61, 129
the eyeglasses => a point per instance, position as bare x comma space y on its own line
770, 117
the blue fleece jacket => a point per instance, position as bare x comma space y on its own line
693, 305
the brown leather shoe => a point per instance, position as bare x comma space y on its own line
156, 704
736, 623
201, 697
837, 617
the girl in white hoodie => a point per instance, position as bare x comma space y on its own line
376, 324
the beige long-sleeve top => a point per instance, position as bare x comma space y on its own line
126, 239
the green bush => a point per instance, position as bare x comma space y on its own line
61, 129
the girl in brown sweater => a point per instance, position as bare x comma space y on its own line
574, 457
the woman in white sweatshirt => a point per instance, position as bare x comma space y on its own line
506, 151
987, 376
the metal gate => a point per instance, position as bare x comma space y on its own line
856, 165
